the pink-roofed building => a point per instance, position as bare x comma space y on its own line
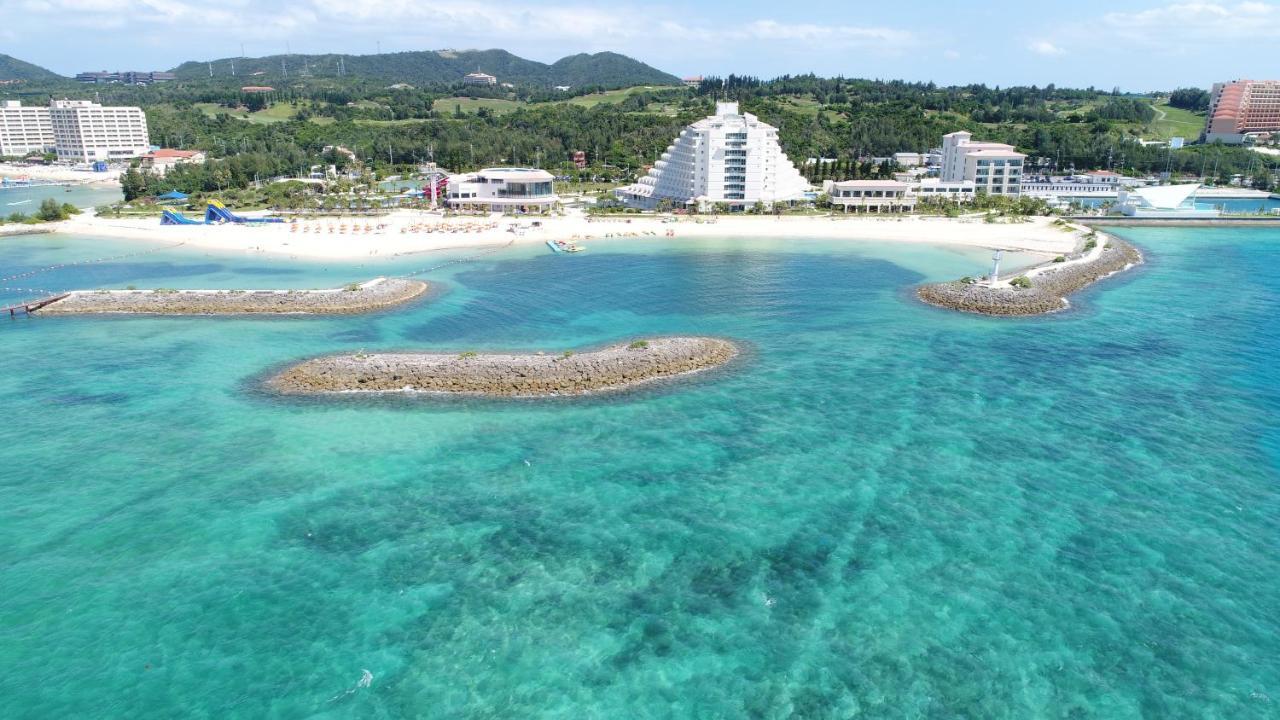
160, 161
1243, 109
994, 168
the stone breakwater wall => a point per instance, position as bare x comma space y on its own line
364, 297
1049, 288
23, 229
507, 375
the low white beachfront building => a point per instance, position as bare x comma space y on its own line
729, 158
871, 195
503, 189
937, 190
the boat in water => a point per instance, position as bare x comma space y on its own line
564, 246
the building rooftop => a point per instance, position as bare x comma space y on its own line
167, 153
997, 152
514, 174
873, 184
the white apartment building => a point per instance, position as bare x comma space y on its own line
85, 131
502, 189
730, 157
24, 130
994, 168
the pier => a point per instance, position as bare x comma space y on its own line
26, 308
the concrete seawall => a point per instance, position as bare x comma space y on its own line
1180, 222
507, 375
356, 298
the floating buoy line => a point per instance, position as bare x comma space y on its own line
77, 263
456, 261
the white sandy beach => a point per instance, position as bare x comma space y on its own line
58, 173
325, 238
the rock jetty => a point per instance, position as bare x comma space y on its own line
507, 375
355, 298
24, 229
1048, 288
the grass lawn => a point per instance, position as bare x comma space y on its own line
376, 123
446, 106
802, 104
279, 112
805, 105
613, 96
1175, 122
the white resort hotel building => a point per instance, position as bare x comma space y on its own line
24, 129
78, 130
993, 168
502, 189
729, 158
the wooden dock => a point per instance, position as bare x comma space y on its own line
31, 306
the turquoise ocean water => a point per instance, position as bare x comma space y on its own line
883, 510
27, 199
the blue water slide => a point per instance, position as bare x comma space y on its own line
169, 217
218, 213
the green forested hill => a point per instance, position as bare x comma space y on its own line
11, 68
439, 66
606, 69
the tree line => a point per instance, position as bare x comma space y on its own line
851, 120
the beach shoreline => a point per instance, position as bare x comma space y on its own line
406, 232
59, 174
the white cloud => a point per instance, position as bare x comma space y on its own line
1211, 21
1044, 47
808, 32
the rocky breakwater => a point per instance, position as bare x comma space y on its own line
24, 229
507, 375
355, 298
1043, 289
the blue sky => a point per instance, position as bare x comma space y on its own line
1135, 45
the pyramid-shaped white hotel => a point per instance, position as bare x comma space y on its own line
730, 158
